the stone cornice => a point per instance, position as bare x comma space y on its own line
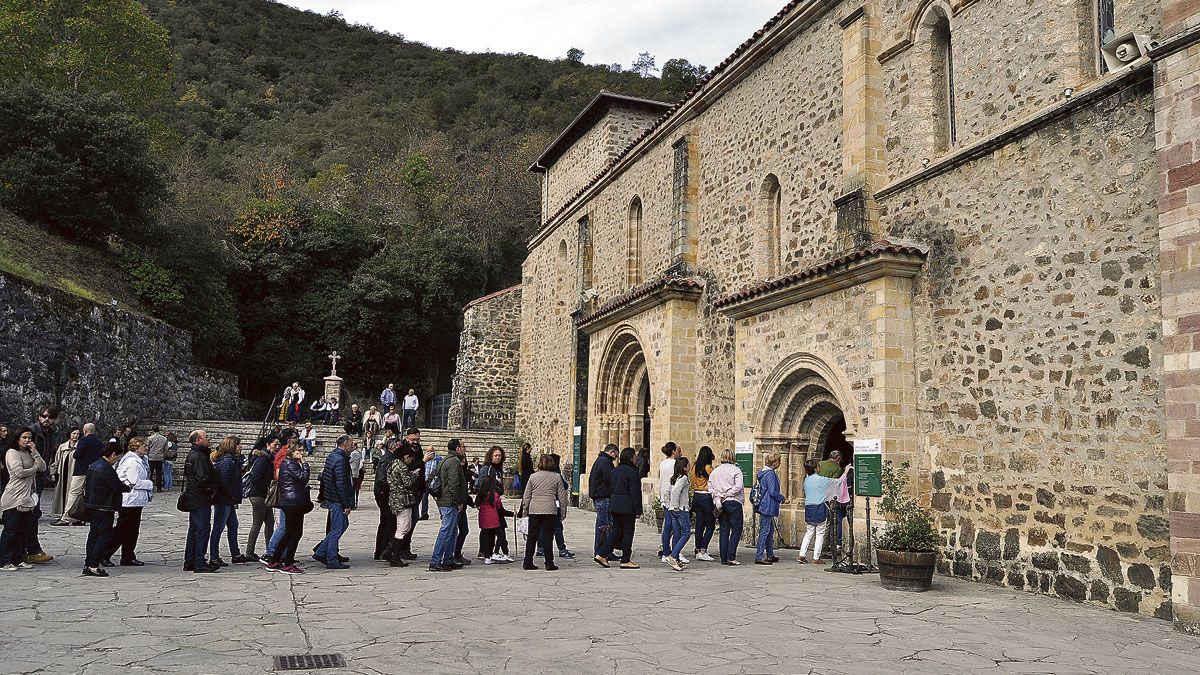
881, 259
1100, 89
639, 299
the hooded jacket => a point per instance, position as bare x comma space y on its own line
134, 471
103, 488
601, 476
402, 485
454, 482
229, 481
261, 470
768, 484
337, 479
293, 484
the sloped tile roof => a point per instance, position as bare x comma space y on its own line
660, 284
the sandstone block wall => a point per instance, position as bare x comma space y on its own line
484, 393
1020, 374
1040, 378
99, 364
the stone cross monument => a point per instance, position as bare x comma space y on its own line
333, 383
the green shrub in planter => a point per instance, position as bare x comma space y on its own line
908, 546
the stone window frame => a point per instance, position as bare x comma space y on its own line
634, 267
586, 265
680, 209
770, 220
1104, 15
936, 30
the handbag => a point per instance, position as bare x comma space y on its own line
308, 502
523, 525
271, 501
179, 504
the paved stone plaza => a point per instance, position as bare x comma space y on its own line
782, 619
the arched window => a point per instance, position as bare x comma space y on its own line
633, 272
1105, 29
771, 222
562, 286
942, 68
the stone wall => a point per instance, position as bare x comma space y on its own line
484, 395
1018, 370
1040, 372
99, 364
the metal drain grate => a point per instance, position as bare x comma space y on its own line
309, 661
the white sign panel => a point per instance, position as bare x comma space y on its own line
744, 448
868, 446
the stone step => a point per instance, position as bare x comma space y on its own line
478, 442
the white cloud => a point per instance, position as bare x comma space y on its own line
608, 31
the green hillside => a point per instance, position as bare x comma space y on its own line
303, 184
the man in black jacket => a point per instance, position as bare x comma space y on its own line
340, 499
197, 498
102, 498
599, 490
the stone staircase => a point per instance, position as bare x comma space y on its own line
477, 442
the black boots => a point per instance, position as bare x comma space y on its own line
395, 554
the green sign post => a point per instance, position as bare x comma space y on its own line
868, 468
577, 455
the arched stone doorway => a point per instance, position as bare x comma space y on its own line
624, 402
801, 416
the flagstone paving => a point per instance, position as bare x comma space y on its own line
782, 619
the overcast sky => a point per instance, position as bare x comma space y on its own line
608, 31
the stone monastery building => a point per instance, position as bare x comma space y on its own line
948, 225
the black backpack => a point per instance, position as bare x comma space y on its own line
381, 487
433, 486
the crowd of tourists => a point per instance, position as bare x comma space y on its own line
107, 483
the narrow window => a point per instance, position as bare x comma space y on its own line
769, 202
943, 84
634, 260
585, 253
679, 203
1105, 28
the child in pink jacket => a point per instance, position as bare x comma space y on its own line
492, 540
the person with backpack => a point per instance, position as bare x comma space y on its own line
702, 503
625, 507
228, 494
729, 495
676, 507
493, 543
448, 487
767, 497
255, 483
463, 525
599, 490
337, 484
402, 480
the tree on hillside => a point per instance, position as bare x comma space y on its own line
77, 162
575, 55
109, 46
679, 76
643, 65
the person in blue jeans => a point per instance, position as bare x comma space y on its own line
768, 509
600, 490
451, 499
337, 483
702, 503
200, 484
228, 468
676, 508
728, 492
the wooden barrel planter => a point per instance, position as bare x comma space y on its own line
906, 570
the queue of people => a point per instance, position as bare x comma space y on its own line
107, 485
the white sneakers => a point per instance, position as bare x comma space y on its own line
675, 564
666, 560
9, 568
683, 559
703, 555
497, 559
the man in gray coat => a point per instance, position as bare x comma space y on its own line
156, 452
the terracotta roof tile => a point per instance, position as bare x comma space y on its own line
641, 292
874, 249
490, 296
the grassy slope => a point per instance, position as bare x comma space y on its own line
34, 254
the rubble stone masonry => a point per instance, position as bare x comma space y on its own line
1013, 311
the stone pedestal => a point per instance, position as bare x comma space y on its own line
333, 388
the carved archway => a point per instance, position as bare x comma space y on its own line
623, 405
